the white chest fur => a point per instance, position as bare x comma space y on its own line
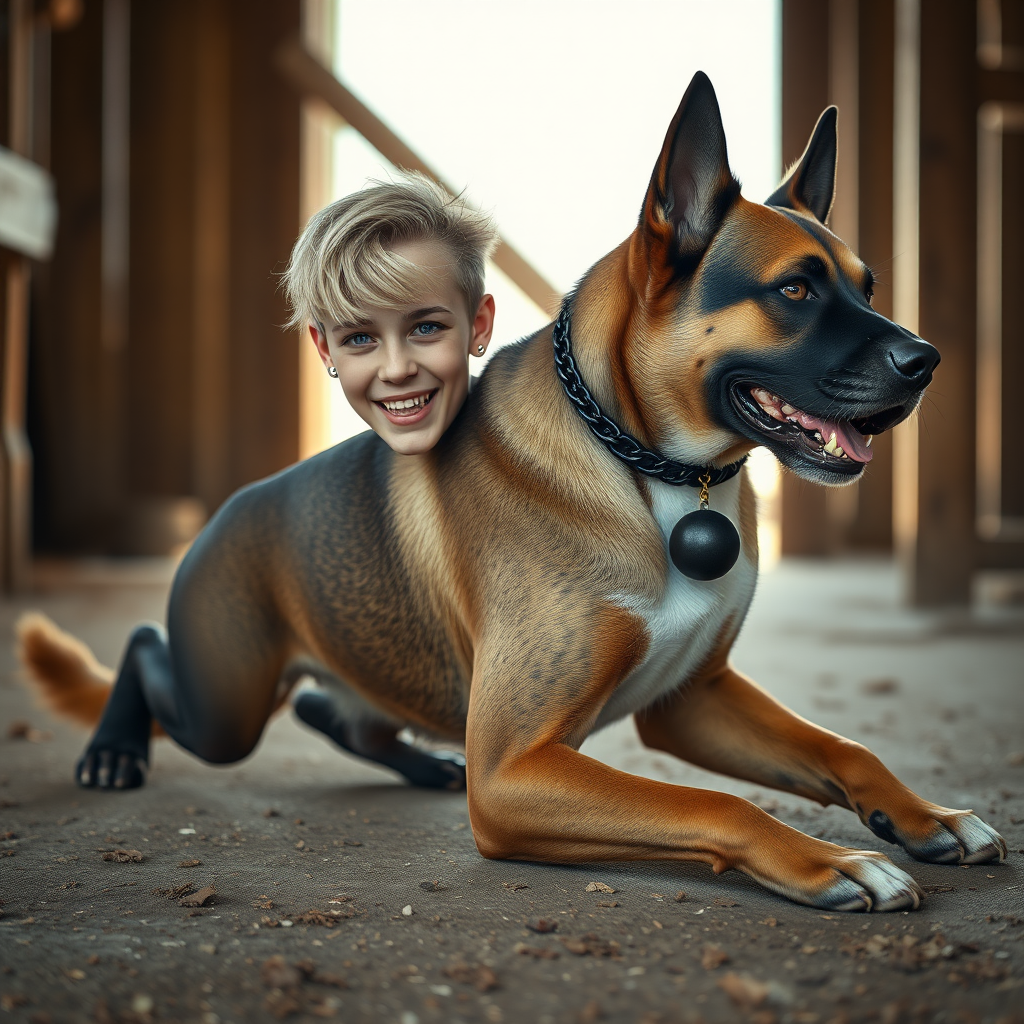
685, 625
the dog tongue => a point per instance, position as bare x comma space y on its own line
848, 437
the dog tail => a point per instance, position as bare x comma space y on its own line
69, 680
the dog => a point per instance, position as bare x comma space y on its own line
513, 589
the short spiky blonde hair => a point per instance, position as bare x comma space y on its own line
342, 263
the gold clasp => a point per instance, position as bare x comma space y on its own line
705, 483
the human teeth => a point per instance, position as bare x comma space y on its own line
831, 446
405, 403
788, 409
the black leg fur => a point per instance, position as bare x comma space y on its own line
118, 753
378, 742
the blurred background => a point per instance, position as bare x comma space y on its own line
159, 159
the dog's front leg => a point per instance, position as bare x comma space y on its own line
533, 796
726, 723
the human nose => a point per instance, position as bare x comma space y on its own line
398, 363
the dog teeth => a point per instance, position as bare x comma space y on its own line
830, 447
870, 438
788, 409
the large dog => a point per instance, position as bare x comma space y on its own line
513, 587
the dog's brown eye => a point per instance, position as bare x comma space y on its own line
795, 291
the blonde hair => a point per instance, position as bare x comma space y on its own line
342, 263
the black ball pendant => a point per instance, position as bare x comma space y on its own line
704, 545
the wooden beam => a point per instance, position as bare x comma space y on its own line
311, 78
935, 236
15, 453
806, 520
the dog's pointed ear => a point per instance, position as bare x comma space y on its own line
811, 183
692, 187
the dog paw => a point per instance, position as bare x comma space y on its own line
944, 836
437, 769
104, 768
862, 880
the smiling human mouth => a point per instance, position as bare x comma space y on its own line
407, 406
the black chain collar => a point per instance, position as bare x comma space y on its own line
621, 444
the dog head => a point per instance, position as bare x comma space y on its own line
755, 321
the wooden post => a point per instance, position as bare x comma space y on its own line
935, 239
805, 90
15, 453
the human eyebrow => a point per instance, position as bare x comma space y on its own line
417, 314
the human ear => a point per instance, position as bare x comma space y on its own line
483, 325
320, 340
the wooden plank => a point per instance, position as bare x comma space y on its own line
211, 355
264, 220
936, 293
15, 453
872, 525
806, 522
311, 78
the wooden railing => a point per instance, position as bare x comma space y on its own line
309, 76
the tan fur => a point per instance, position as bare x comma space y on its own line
68, 679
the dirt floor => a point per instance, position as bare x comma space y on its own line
304, 884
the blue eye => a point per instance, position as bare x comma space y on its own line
359, 340
428, 328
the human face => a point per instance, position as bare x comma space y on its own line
405, 370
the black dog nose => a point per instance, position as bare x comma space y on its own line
914, 360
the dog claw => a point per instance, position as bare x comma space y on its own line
110, 769
957, 837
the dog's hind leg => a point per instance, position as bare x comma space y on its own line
358, 728
726, 723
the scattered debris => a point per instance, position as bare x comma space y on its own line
713, 957
176, 893
591, 1013
542, 926
932, 889
725, 901
880, 687
769, 922
608, 903
746, 992
481, 977
1016, 759
591, 945
22, 730
75, 973
200, 898
434, 886
319, 918
271, 812
599, 887
681, 897
189, 863
537, 952
407, 910
263, 903
276, 973
515, 886
124, 856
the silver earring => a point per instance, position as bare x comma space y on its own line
479, 350
332, 370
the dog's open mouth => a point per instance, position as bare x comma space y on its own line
840, 445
